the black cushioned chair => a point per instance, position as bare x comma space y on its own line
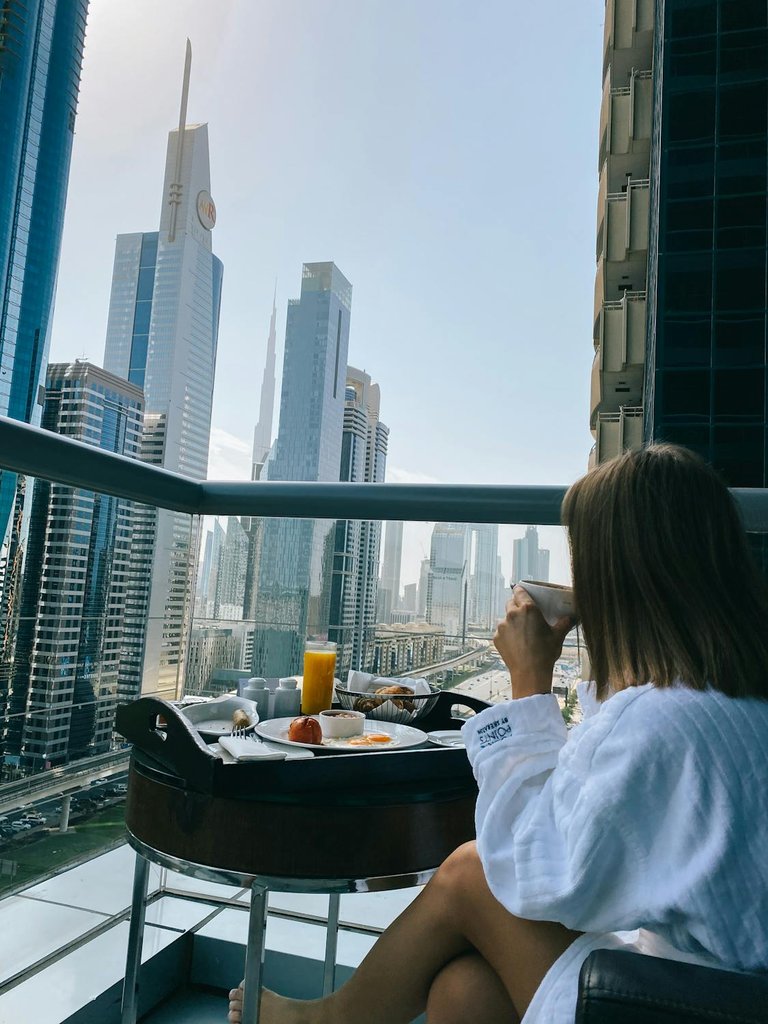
618, 987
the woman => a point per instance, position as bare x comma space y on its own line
648, 827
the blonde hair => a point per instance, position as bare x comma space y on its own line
665, 584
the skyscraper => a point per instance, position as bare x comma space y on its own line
484, 575
356, 548
448, 577
389, 584
70, 632
529, 561
681, 312
262, 435
41, 52
162, 335
230, 578
293, 599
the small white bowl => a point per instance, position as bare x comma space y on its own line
339, 724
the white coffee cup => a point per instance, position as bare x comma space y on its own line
553, 600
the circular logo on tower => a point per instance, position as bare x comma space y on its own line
206, 210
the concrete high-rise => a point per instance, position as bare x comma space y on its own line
529, 561
389, 583
41, 53
293, 600
162, 336
70, 631
356, 546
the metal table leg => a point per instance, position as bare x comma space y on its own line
331, 942
254, 954
135, 939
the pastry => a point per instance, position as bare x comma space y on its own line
240, 719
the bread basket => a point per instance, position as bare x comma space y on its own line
402, 709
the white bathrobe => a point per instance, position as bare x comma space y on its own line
651, 814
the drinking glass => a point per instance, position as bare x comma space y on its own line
319, 670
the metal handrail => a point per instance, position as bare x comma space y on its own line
48, 456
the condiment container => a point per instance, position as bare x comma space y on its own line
257, 691
287, 699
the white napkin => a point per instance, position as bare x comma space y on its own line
244, 749
364, 682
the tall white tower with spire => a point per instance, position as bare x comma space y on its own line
262, 435
162, 335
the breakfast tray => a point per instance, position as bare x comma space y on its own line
175, 753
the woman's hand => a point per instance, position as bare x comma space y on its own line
528, 646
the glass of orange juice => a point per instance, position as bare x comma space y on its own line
317, 685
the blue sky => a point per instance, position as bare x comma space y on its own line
443, 153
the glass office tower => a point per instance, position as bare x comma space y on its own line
70, 630
41, 51
293, 599
706, 355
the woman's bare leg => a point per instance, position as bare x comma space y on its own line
455, 914
468, 989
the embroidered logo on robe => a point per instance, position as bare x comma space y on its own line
494, 731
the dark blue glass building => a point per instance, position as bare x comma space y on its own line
41, 50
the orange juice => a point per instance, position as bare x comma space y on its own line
317, 686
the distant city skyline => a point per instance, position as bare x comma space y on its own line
444, 226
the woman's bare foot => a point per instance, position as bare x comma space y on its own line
275, 1009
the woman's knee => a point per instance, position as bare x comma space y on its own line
468, 989
461, 875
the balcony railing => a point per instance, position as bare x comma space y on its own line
405, 649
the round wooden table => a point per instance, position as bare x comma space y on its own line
338, 823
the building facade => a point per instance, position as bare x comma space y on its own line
232, 567
389, 582
262, 434
529, 561
484, 578
356, 547
162, 336
707, 356
71, 627
41, 53
448, 581
212, 650
295, 566
682, 355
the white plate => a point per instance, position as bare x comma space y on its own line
214, 718
447, 738
403, 736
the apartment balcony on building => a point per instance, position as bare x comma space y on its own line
618, 431
625, 126
628, 35
617, 369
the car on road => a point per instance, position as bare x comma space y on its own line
20, 826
